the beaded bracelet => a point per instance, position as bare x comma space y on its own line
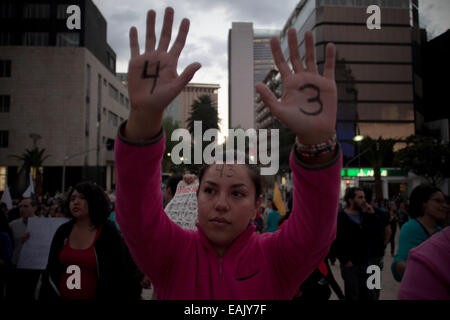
315, 150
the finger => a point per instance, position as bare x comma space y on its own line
166, 32
267, 97
181, 38
279, 58
150, 38
186, 76
330, 61
134, 43
294, 52
310, 55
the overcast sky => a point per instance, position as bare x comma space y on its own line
210, 22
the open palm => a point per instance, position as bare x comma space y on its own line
309, 103
153, 81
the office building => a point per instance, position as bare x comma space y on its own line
59, 92
249, 60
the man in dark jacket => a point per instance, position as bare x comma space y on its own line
357, 224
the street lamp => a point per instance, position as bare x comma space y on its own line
64, 166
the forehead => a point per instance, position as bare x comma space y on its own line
225, 174
359, 193
437, 195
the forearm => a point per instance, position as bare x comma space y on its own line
308, 236
400, 267
139, 212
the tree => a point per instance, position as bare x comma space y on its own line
426, 157
33, 159
204, 111
378, 152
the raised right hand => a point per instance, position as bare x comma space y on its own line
153, 81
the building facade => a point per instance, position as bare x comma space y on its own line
375, 73
180, 108
60, 96
249, 60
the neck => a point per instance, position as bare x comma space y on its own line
428, 222
351, 210
85, 223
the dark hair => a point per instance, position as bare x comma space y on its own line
418, 197
34, 201
98, 202
350, 193
172, 183
252, 169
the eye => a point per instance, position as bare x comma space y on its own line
238, 194
209, 190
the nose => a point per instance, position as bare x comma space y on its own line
221, 202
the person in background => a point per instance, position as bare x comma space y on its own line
393, 221
94, 244
427, 208
358, 237
6, 252
23, 282
273, 216
402, 214
171, 188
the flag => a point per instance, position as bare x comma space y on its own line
30, 190
278, 199
6, 198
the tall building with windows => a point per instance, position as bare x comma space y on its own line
58, 91
375, 72
249, 60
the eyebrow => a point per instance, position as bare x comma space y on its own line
237, 185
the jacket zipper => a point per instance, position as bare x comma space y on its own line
221, 267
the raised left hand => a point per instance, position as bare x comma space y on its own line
309, 103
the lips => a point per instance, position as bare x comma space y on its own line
220, 220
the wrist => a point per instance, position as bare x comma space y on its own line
143, 127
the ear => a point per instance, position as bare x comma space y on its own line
257, 205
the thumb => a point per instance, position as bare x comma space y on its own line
267, 97
187, 75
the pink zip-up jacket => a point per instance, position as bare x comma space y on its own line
182, 264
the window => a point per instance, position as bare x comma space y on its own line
4, 103
35, 39
37, 11
113, 92
61, 11
122, 99
6, 10
5, 68
127, 103
88, 80
113, 119
6, 38
104, 82
67, 39
121, 120
4, 139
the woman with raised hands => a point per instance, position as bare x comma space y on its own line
225, 258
